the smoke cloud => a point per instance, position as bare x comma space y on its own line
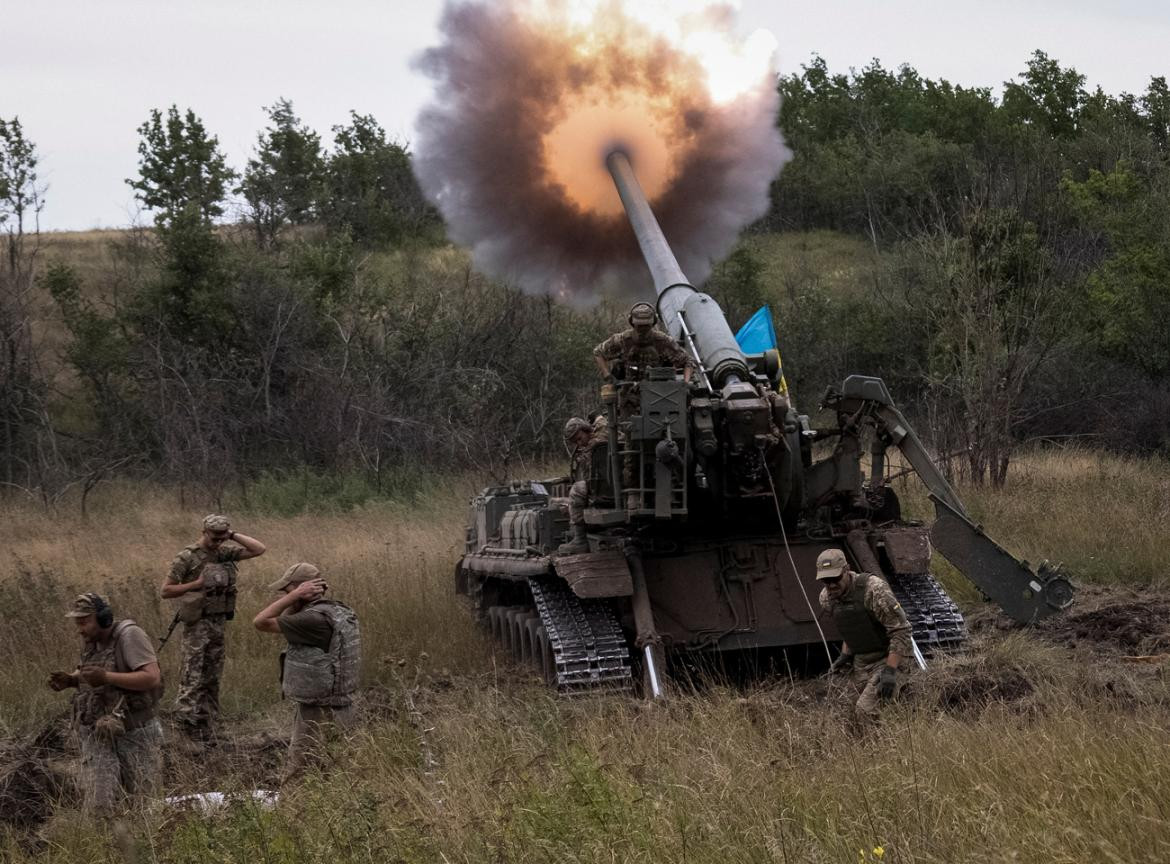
531, 97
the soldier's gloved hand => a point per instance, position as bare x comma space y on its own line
887, 681
842, 664
60, 680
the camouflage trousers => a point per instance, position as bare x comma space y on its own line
578, 498
197, 702
313, 725
867, 708
131, 763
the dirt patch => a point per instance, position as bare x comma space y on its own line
1127, 621
970, 691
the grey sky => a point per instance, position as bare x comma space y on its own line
82, 76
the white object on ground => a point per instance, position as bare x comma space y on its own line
208, 802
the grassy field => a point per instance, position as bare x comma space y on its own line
1027, 748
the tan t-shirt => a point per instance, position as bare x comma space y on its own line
133, 649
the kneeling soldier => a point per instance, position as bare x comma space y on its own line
320, 666
114, 711
876, 648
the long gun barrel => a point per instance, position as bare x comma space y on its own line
683, 309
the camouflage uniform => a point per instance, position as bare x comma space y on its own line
638, 354
891, 625
131, 760
579, 468
202, 646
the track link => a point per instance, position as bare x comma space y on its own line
588, 647
935, 620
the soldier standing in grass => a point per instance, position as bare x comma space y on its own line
582, 436
877, 648
203, 581
321, 664
115, 710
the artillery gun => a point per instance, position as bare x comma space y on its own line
708, 511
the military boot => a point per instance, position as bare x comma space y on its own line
578, 545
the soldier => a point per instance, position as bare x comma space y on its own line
640, 347
877, 648
582, 436
115, 709
627, 355
203, 581
320, 666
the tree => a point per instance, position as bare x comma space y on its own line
22, 197
28, 453
182, 175
284, 180
184, 178
371, 190
996, 316
1128, 300
1047, 96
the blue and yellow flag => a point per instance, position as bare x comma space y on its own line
758, 335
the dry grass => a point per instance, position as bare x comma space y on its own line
394, 562
1021, 750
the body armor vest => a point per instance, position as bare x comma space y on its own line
856, 625
218, 596
91, 703
317, 677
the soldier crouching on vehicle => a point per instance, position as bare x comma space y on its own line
203, 581
877, 647
582, 436
115, 709
321, 664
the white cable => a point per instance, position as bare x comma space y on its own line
792, 561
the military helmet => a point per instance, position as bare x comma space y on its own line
642, 314
574, 425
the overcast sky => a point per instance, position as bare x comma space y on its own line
83, 75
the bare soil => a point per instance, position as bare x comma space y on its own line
1133, 622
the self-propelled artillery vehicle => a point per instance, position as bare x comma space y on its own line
708, 510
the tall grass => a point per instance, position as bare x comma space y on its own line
1069, 766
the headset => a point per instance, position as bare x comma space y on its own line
102, 609
653, 311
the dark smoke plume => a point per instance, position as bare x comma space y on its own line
512, 150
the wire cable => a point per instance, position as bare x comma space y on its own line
792, 561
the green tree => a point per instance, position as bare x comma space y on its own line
1128, 300
22, 195
29, 456
284, 180
371, 191
182, 175
1156, 109
184, 178
1048, 96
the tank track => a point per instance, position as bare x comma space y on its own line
935, 620
588, 646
